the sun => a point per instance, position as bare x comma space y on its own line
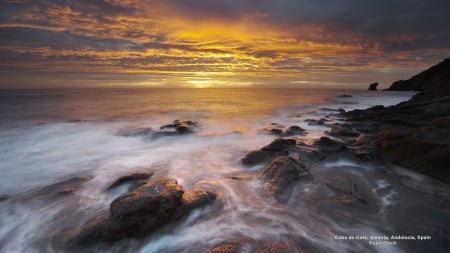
201, 83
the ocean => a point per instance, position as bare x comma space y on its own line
48, 136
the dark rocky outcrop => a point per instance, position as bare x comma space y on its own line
282, 173
328, 145
373, 86
433, 82
414, 134
277, 147
180, 126
140, 212
281, 131
177, 127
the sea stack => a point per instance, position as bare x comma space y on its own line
373, 86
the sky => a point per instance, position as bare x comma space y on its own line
219, 43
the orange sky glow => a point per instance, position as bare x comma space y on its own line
216, 43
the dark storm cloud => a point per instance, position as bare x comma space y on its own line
22, 36
259, 37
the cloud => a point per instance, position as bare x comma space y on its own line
248, 38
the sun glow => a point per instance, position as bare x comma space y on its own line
201, 83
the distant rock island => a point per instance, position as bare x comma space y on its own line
373, 86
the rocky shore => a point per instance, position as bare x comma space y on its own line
414, 135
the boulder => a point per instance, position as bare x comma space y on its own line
328, 145
279, 146
177, 127
294, 130
133, 180
256, 157
275, 247
153, 204
281, 174
373, 86
135, 214
195, 198
231, 246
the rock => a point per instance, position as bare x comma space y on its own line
195, 198
3, 197
135, 214
342, 130
142, 211
412, 150
328, 145
281, 173
346, 189
133, 179
433, 82
275, 247
256, 157
145, 209
231, 246
345, 96
143, 131
277, 147
281, 131
178, 127
57, 190
294, 130
316, 122
373, 86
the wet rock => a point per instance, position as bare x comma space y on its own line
143, 131
135, 214
195, 198
281, 131
57, 190
152, 205
231, 246
412, 150
328, 145
3, 197
373, 86
145, 209
277, 147
294, 130
342, 130
275, 247
256, 157
178, 127
316, 122
133, 180
281, 173
346, 190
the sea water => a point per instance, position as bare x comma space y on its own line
48, 136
